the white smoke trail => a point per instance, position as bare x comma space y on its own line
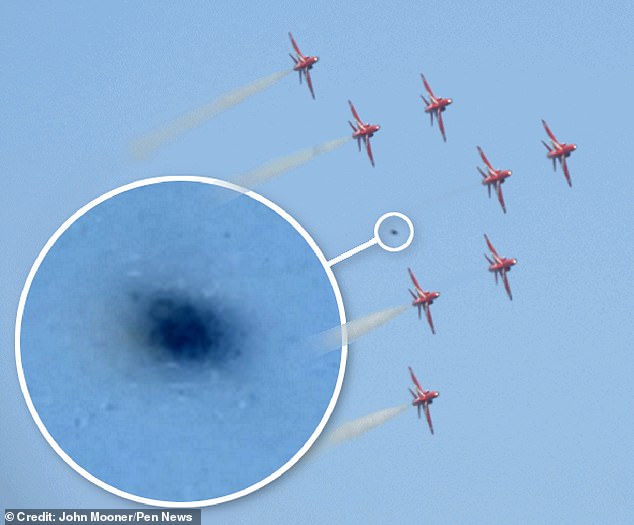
144, 146
353, 429
332, 339
278, 166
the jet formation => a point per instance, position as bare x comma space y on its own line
493, 178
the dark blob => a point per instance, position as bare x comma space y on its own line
188, 331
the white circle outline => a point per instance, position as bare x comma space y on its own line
18, 326
407, 242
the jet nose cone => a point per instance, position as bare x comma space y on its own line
316, 59
449, 101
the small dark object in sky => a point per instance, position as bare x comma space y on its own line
394, 232
188, 331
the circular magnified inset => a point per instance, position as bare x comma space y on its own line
394, 231
161, 341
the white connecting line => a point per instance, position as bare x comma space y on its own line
376, 239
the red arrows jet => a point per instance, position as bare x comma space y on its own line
422, 300
363, 132
422, 398
303, 65
493, 178
500, 265
558, 151
435, 106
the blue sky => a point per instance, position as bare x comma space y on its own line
534, 421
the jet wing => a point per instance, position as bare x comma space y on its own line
550, 133
418, 387
295, 46
493, 250
355, 114
428, 416
484, 159
427, 87
416, 285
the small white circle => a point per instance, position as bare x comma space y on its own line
401, 216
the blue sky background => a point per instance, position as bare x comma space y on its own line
534, 422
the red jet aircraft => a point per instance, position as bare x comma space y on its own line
559, 151
422, 398
363, 131
500, 265
303, 65
422, 300
494, 178
435, 106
